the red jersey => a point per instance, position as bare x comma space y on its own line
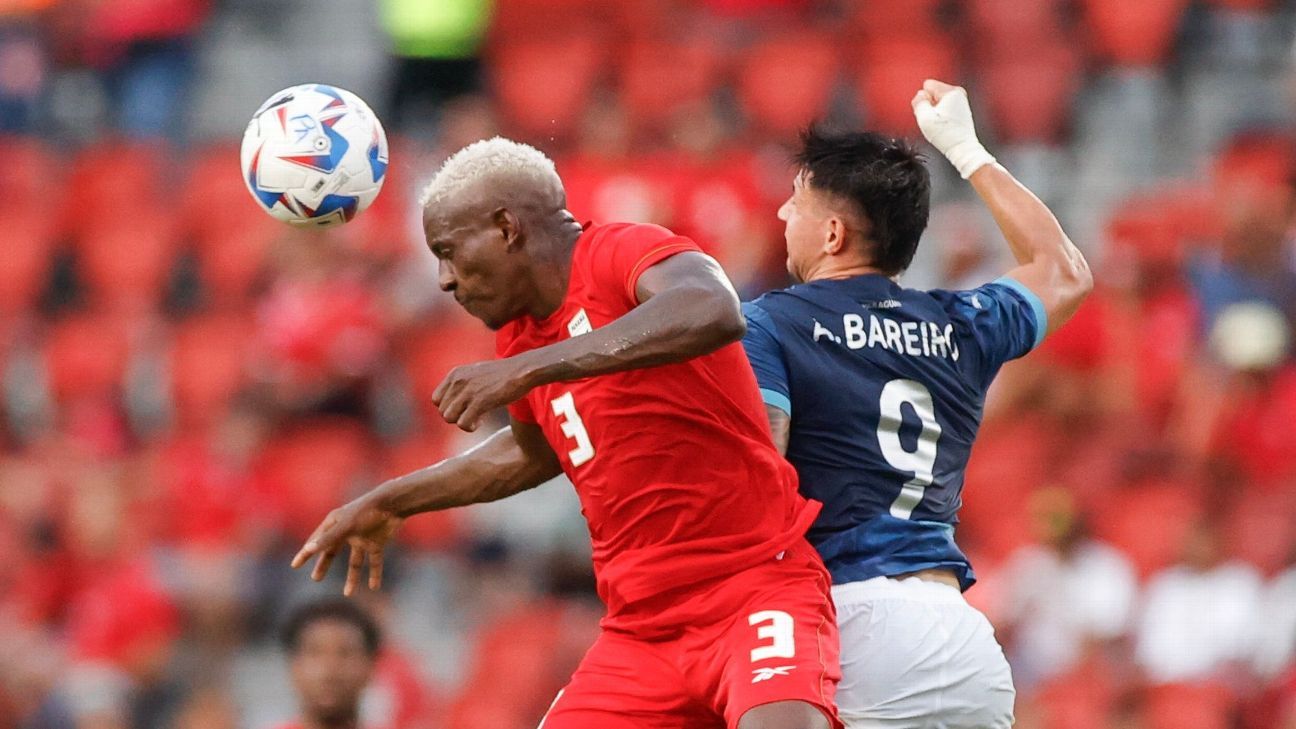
677, 475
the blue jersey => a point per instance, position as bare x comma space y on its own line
885, 386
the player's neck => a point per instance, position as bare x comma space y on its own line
831, 270
553, 275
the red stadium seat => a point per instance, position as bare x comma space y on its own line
233, 258
86, 356
31, 178
1189, 706
125, 261
1149, 521
522, 21
1261, 528
1050, 78
889, 73
207, 365
312, 468
214, 194
28, 241
658, 78
430, 354
1011, 28
542, 85
1133, 33
896, 18
787, 81
120, 180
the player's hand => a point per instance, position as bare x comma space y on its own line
945, 118
363, 527
469, 392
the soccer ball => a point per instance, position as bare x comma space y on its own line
314, 155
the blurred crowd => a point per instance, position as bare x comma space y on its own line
188, 386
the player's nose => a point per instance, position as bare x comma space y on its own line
445, 276
783, 211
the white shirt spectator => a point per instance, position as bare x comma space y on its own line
1276, 642
1196, 622
1059, 603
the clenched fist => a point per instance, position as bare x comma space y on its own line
945, 119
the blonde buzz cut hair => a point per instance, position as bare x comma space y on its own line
497, 160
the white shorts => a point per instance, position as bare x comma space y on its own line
915, 654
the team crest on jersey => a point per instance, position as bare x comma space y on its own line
765, 674
579, 324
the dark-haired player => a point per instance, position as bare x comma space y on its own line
332, 647
874, 392
620, 364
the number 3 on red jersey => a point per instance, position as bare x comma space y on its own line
574, 428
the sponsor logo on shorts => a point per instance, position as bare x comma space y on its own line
765, 674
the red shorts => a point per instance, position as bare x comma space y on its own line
774, 638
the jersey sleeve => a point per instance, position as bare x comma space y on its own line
766, 357
624, 253
1006, 319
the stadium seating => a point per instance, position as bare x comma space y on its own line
787, 81
1133, 33
126, 263
1029, 99
542, 85
889, 71
208, 361
659, 78
29, 243
85, 356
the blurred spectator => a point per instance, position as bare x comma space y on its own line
23, 64
1276, 647
1253, 185
332, 647
144, 52
1198, 618
436, 47
1067, 598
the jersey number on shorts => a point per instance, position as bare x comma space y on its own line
922, 459
776, 627
573, 427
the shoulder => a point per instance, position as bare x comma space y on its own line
610, 234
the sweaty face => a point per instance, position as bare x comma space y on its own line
806, 219
330, 669
474, 264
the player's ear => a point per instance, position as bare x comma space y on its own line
510, 230
835, 240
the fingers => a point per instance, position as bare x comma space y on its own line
375, 569
440, 390
937, 89
322, 564
355, 563
921, 98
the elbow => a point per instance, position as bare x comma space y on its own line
1080, 277
725, 321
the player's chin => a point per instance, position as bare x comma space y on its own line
493, 319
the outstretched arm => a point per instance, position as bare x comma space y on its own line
687, 308
514, 459
1048, 263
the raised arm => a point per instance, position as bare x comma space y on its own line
687, 308
514, 459
1048, 263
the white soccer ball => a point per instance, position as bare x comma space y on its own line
314, 155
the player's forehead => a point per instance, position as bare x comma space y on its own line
450, 220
